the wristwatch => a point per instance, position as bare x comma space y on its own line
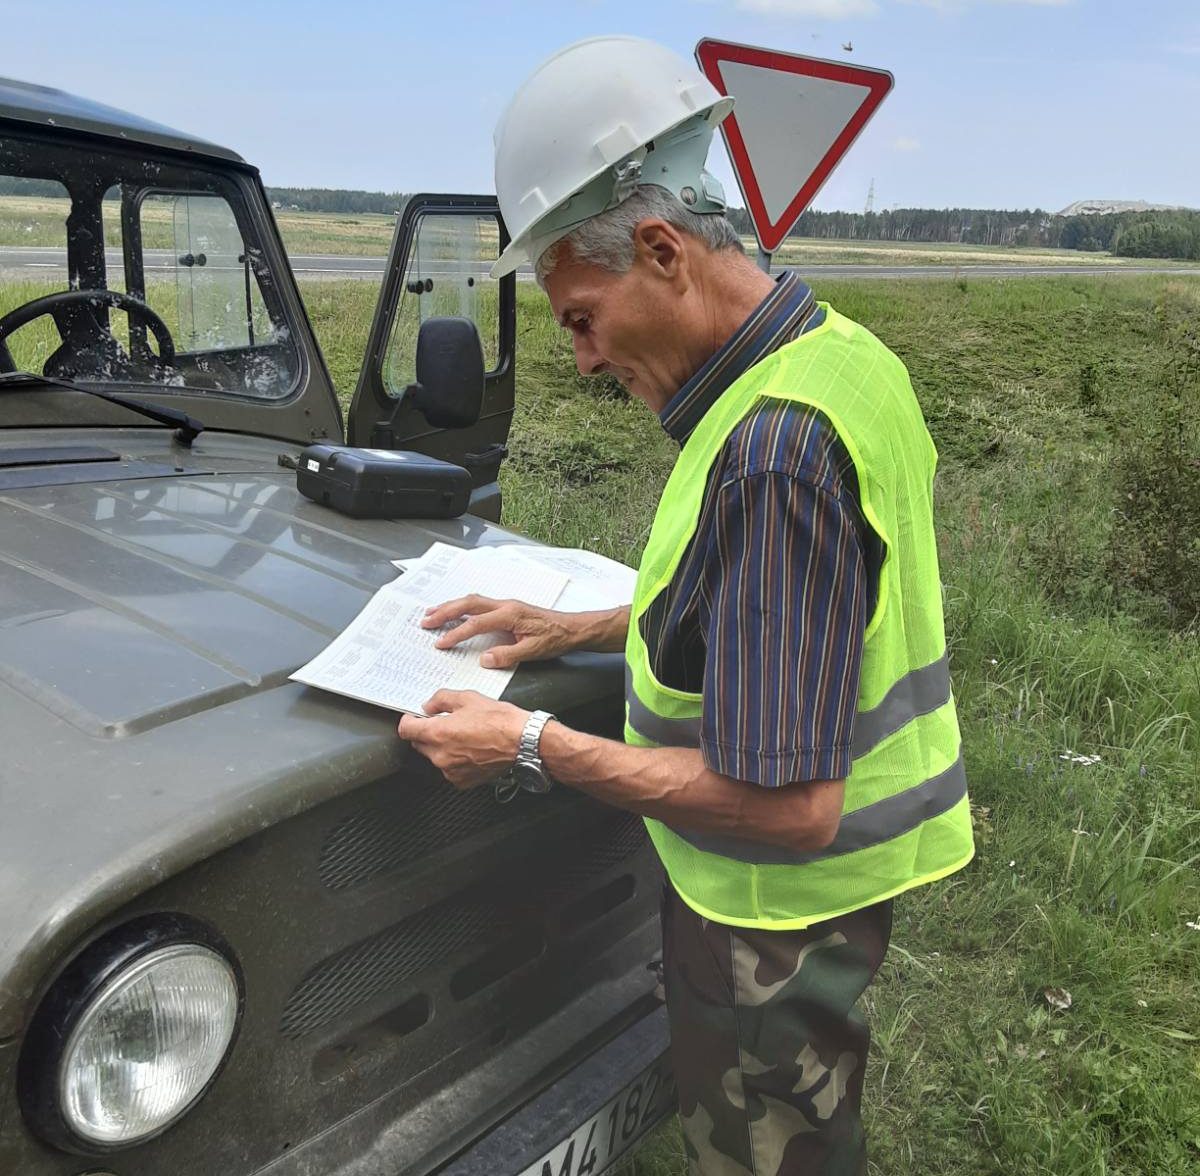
528, 770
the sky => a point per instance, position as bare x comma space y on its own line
997, 103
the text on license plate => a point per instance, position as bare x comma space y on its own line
595, 1144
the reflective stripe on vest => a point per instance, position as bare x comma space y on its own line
869, 826
917, 693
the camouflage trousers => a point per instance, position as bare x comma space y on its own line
769, 1046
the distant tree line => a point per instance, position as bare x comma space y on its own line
1174, 234
19, 186
1129, 234
306, 199
1162, 234
336, 200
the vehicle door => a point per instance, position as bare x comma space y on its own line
442, 251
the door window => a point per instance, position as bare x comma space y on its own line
447, 274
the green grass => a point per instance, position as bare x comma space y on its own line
800, 251
1086, 874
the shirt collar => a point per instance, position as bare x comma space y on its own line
776, 320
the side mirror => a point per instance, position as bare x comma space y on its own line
449, 387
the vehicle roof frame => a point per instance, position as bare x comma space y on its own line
47, 107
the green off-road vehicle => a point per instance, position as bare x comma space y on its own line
243, 928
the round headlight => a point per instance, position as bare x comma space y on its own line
130, 1035
147, 1045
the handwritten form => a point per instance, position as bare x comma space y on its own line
384, 656
595, 580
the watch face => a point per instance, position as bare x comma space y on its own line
531, 777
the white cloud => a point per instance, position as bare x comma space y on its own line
818, 9
904, 143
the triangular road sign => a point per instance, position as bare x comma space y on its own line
794, 119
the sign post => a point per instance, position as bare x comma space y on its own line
793, 120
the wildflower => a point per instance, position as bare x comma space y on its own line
1084, 760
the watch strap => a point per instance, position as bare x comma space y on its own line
531, 737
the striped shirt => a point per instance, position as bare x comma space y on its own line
766, 612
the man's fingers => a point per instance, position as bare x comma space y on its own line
498, 620
409, 726
451, 610
500, 657
446, 702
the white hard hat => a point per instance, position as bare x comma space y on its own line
590, 124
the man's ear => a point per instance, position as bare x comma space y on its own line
661, 246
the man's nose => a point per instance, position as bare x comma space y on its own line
587, 359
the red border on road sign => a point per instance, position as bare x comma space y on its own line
710, 54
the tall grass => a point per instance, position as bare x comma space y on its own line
1086, 877
1079, 695
1080, 716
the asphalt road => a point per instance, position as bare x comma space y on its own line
50, 262
53, 262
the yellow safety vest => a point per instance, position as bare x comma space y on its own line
906, 819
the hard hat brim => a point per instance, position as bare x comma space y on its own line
514, 256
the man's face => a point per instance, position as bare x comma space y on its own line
630, 325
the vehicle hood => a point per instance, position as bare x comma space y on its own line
147, 631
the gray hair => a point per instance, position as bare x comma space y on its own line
606, 240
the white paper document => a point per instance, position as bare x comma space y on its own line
384, 656
595, 580
503, 572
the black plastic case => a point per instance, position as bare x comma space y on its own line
383, 483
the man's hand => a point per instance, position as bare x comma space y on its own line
538, 633
470, 739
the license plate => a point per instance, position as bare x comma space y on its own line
600, 1141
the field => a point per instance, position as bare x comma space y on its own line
800, 251
38, 222
370, 234
1078, 679
1067, 414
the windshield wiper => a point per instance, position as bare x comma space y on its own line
187, 428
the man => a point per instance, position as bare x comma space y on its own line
791, 736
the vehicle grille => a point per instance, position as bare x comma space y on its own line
386, 960
377, 842
392, 939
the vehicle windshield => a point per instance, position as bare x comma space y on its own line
89, 236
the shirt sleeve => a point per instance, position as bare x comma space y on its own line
787, 612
